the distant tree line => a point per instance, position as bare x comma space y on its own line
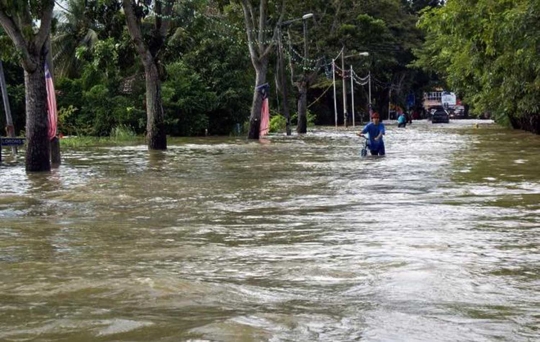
187, 68
487, 51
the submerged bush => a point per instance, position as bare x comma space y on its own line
278, 123
123, 133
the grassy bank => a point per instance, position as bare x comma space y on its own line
121, 135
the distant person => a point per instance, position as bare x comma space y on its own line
402, 120
375, 131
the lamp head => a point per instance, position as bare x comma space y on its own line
307, 16
365, 54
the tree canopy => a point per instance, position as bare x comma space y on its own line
487, 51
484, 50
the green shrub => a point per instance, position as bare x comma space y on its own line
278, 123
64, 116
123, 133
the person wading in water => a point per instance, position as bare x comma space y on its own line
375, 131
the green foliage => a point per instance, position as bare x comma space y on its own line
108, 111
89, 141
278, 123
105, 57
123, 133
487, 51
186, 101
202, 91
91, 106
214, 51
386, 29
83, 141
7, 49
64, 115
208, 81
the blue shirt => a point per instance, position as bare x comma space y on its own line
401, 118
373, 131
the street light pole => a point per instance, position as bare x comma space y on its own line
369, 87
364, 54
389, 100
304, 20
303, 86
305, 46
334, 83
352, 95
282, 68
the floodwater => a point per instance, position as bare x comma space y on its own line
288, 239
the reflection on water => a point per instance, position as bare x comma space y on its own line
296, 239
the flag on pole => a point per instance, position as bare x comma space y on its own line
51, 103
265, 110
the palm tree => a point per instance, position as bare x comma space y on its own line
75, 34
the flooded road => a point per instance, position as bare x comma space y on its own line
289, 239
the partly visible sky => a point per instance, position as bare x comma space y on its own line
59, 4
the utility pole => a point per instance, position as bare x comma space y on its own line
352, 95
369, 87
389, 100
304, 22
343, 57
334, 82
344, 88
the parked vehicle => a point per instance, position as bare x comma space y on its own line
458, 112
440, 116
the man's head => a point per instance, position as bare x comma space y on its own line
375, 117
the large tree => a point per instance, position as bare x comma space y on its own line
384, 28
149, 46
307, 77
28, 24
261, 39
488, 51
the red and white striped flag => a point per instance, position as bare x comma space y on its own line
265, 118
264, 128
51, 103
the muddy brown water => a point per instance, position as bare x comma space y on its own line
289, 239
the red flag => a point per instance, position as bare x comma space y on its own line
265, 110
265, 118
51, 103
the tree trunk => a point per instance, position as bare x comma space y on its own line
56, 159
255, 117
37, 120
155, 126
302, 106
